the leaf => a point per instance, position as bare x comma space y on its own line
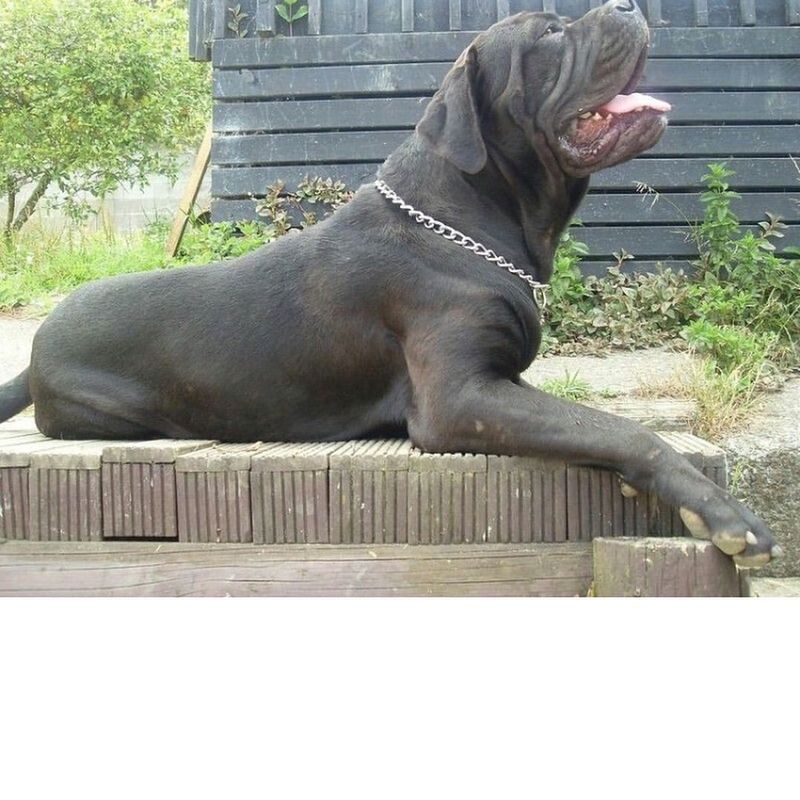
283, 12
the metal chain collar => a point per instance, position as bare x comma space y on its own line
467, 242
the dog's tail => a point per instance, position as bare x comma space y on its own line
14, 396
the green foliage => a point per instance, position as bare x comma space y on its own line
291, 210
93, 95
617, 310
287, 12
204, 243
570, 387
731, 347
37, 265
237, 22
742, 281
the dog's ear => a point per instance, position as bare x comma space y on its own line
451, 124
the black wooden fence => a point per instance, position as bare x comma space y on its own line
339, 94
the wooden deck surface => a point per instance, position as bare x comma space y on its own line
126, 569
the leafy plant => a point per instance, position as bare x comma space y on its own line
570, 387
218, 241
742, 280
92, 95
286, 210
287, 11
237, 22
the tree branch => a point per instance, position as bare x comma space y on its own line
11, 198
30, 204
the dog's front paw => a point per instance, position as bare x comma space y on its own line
735, 530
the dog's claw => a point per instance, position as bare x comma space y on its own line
628, 490
751, 538
777, 551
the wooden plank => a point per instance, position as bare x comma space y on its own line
407, 18
793, 12
660, 173
325, 147
426, 77
213, 493
747, 12
674, 174
701, 13
266, 24
455, 15
549, 6
445, 46
656, 241
220, 11
289, 493
662, 568
398, 112
314, 17
607, 209
653, 12
503, 9
131, 569
361, 22
190, 193
199, 27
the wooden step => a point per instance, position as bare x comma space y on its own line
359, 492
612, 567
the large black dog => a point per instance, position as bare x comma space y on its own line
371, 324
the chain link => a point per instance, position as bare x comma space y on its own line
467, 242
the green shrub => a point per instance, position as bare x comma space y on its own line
93, 94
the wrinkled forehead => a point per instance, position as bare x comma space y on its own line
507, 39
518, 28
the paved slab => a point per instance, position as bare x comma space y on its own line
621, 372
775, 587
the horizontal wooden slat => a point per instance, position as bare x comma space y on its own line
330, 146
662, 174
609, 209
121, 569
621, 209
391, 112
446, 46
653, 242
421, 78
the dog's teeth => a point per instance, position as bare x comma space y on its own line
596, 116
585, 115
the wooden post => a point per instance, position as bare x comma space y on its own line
190, 194
663, 568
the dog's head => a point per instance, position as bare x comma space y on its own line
565, 90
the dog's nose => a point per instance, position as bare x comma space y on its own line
627, 6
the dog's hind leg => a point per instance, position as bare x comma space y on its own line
65, 419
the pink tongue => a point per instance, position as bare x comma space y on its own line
624, 103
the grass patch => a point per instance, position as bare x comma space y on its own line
40, 264
570, 387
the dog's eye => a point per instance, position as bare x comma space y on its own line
551, 29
